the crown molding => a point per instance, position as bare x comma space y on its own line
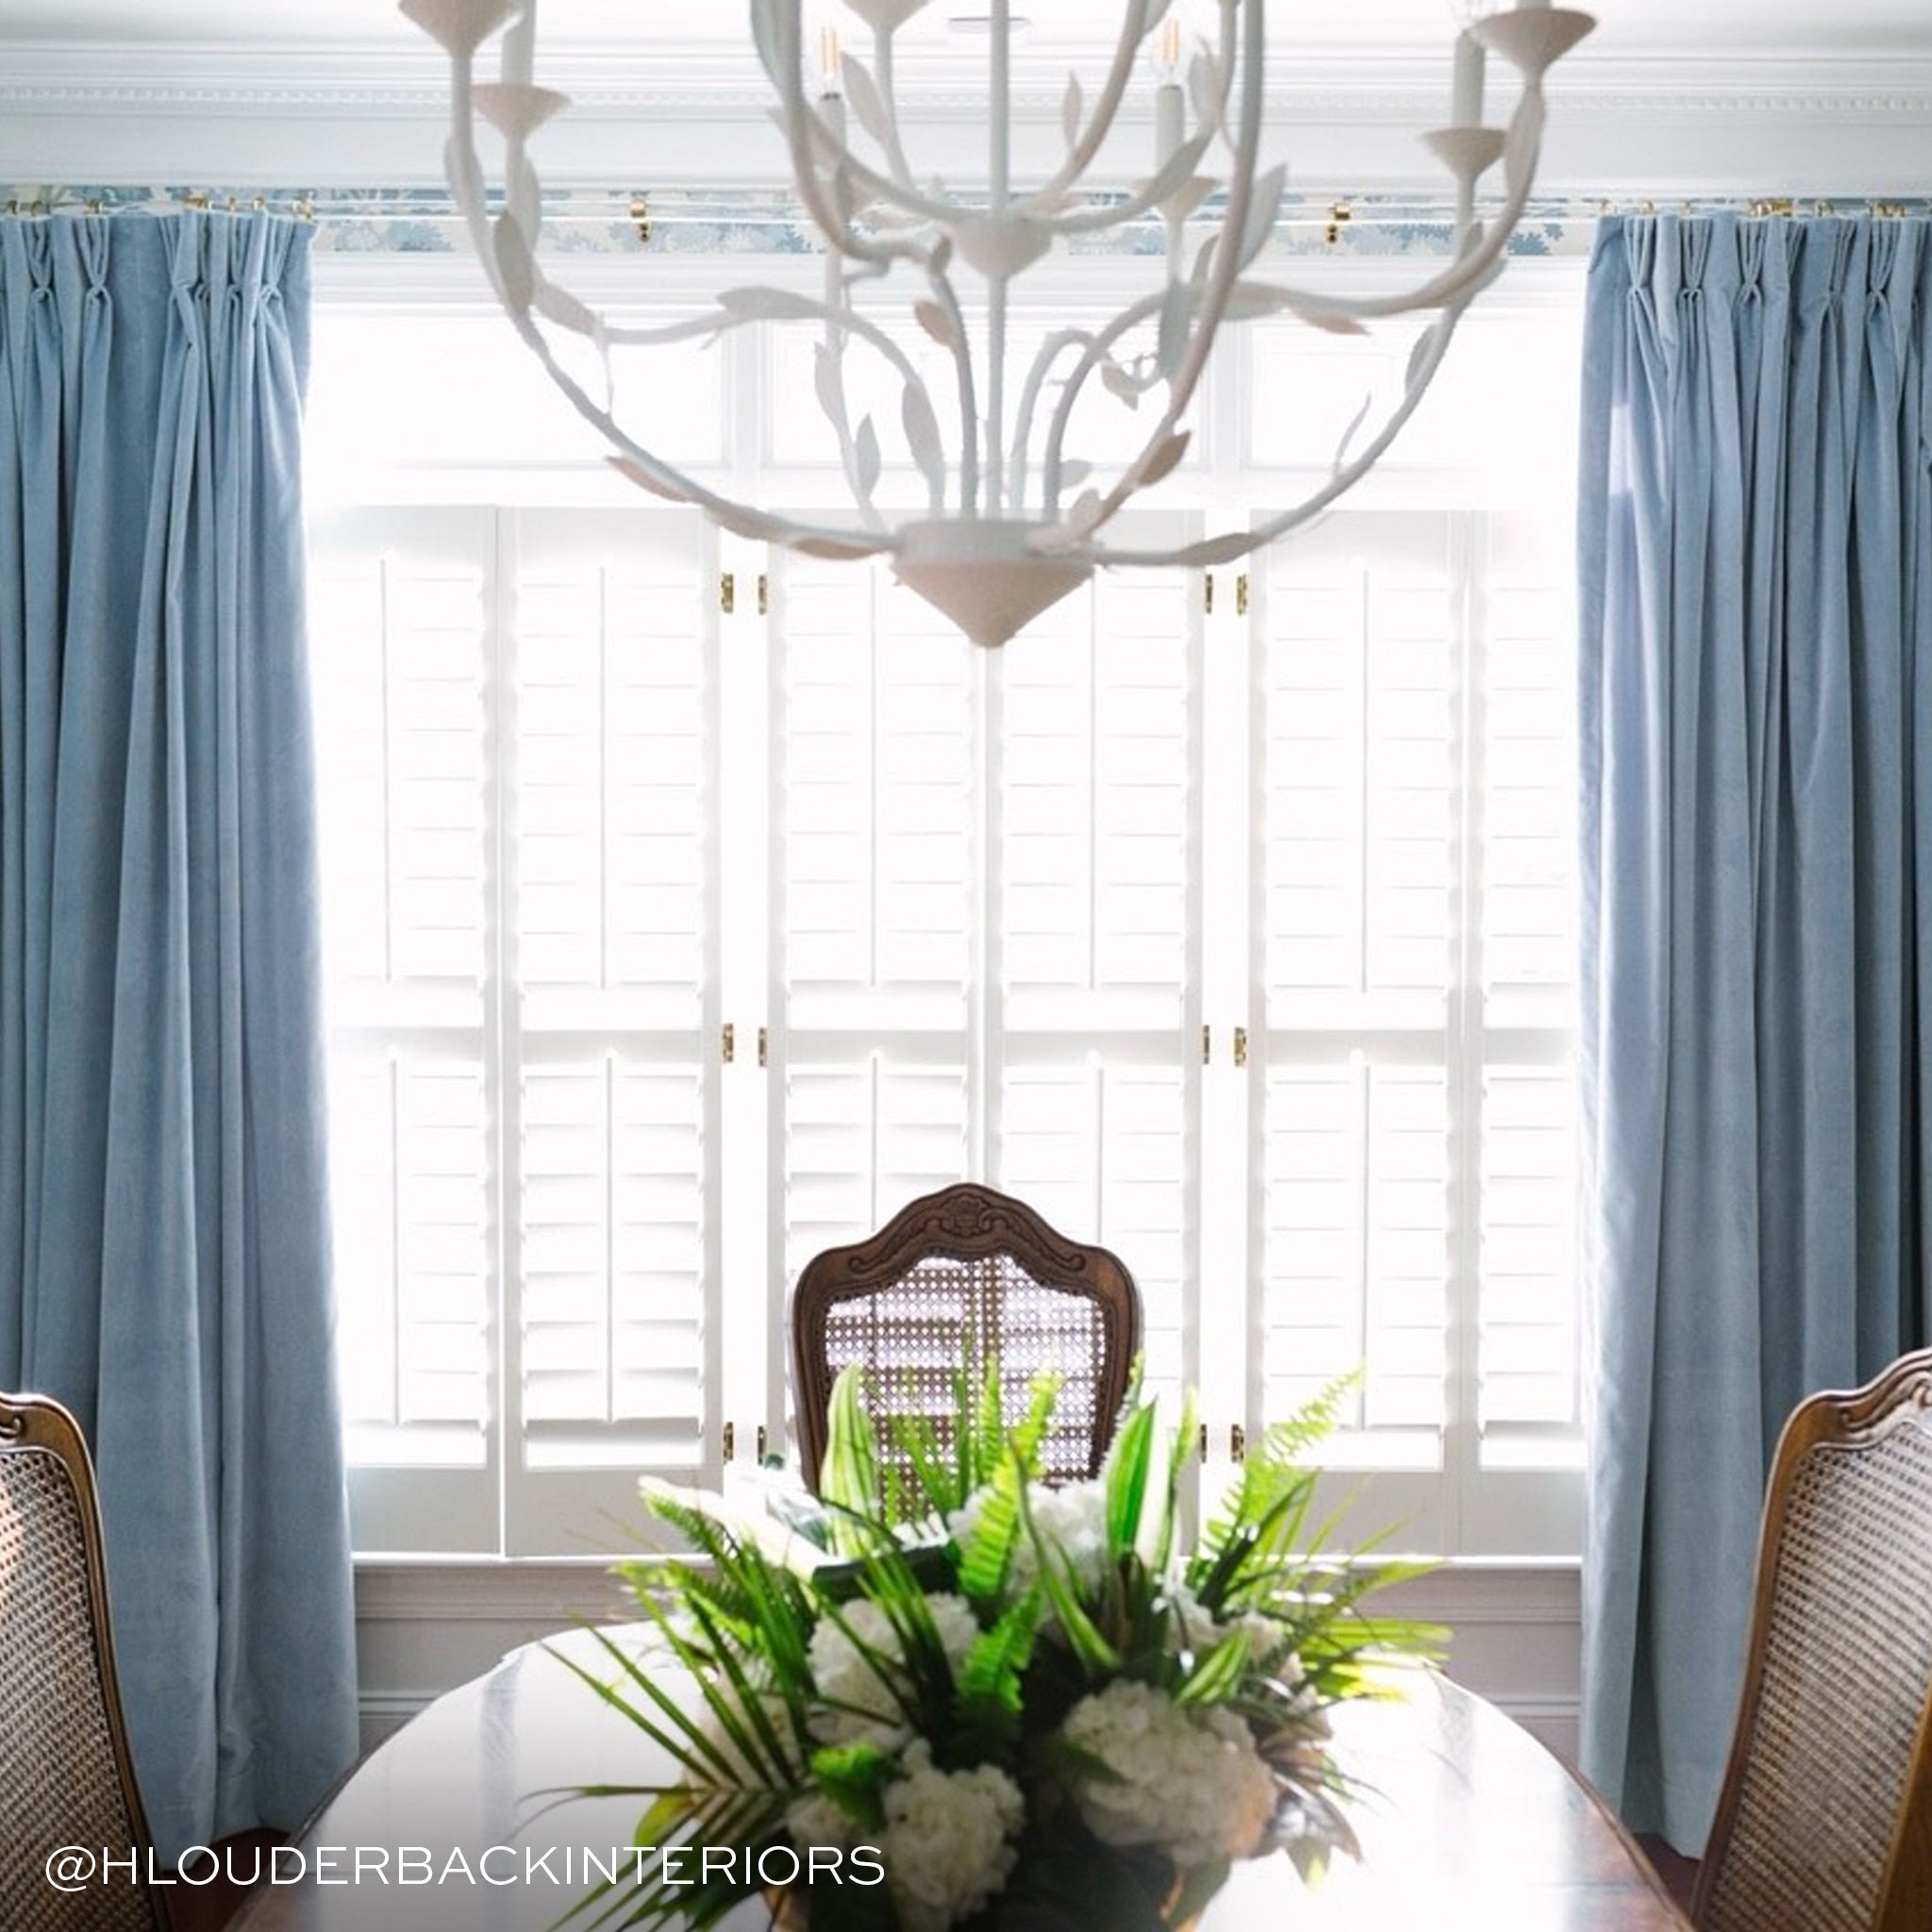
380, 79
1657, 124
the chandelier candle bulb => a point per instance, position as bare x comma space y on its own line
520, 47
1466, 101
1170, 110
894, 235
1170, 104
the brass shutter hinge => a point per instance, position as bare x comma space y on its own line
728, 592
1237, 1442
728, 1043
727, 1442
764, 594
1240, 1047
1208, 591
1204, 1441
763, 1443
764, 1046
1240, 594
1207, 1045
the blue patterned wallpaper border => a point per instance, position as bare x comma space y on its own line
419, 221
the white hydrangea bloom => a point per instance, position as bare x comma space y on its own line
1189, 1785
1072, 1517
948, 1841
814, 1820
845, 1678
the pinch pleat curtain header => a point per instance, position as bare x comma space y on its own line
164, 1248
1755, 732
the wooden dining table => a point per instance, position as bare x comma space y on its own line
1466, 1824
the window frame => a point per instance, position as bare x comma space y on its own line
1467, 1510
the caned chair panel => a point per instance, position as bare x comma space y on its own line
65, 1774
953, 1277
1826, 1819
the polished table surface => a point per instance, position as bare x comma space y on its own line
1472, 1824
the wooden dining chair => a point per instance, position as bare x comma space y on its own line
952, 1278
1825, 1823
65, 1775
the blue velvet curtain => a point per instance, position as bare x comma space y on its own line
164, 1255
1756, 735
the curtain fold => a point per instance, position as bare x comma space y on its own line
1756, 559
165, 1251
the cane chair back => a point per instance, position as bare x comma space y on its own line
1824, 1823
65, 1778
953, 1277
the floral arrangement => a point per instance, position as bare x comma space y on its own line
964, 1699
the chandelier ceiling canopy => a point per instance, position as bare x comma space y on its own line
1011, 519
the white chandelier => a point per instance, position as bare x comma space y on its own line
1013, 524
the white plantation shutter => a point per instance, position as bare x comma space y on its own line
965, 914
518, 717
1528, 1282
875, 813
1097, 930
1357, 802
611, 814
1414, 954
402, 642
984, 947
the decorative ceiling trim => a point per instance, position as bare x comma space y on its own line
67, 78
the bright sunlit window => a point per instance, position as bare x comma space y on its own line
671, 944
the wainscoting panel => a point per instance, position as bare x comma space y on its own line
424, 1628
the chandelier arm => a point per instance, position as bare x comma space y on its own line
998, 282
1472, 267
883, 59
1080, 156
666, 479
833, 403
1050, 352
801, 127
882, 187
1226, 270
1098, 347
1093, 220
948, 299
1233, 543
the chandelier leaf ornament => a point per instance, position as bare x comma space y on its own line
1013, 521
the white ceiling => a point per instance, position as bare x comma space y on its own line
1848, 26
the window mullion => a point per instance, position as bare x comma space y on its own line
1463, 1045
986, 1018
746, 1380
1221, 1354
502, 1056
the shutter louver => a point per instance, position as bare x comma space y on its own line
879, 704
1097, 896
1528, 1302
1356, 1248
861, 1142
613, 807
1528, 1263
1093, 796
613, 1224
399, 627
1101, 1152
879, 699
1359, 799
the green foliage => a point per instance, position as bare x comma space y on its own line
955, 1508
